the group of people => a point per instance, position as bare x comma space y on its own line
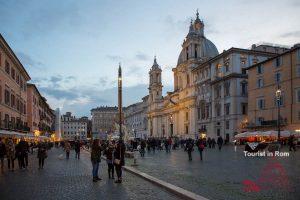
114, 152
12, 150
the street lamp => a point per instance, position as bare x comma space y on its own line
278, 98
120, 99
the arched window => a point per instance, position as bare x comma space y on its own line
196, 50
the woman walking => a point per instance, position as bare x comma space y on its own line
119, 160
96, 159
42, 154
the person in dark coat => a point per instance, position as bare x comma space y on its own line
220, 142
142, 150
24, 149
42, 154
109, 152
96, 159
2, 153
200, 145
213, 143
190, 148
119, 159
291, 143
77, 149
10, 154
209, 142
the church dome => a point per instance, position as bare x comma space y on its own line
196, 45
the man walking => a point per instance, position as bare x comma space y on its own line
200, 145
77, 149
10, 154
190, 148
220, 142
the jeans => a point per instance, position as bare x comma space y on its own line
67, 154
190, 155
77, 154
95, 169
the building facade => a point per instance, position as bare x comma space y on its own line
135, 119
40, 117
222, 95
73, 128
174, 114
264, 79
103, 119
57, 124
13, 90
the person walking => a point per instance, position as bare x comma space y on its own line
23, 153
190, 148
213, 143
143, 147
2, 154
291, 143
200, 145
109, 151
77, 149
119, 160
67, 149
42, 154
220, 142
10, 154
96, 159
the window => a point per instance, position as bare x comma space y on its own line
219, 70
298, 70
186, 116
13, 73
218, 110
227, 124
218, 91
7, 68
7, 97
187, 129
260, 83
260, 69
244, 88
298, 54
277, 77
244, 108
227, 88
187, 79
198, 113
278, 61
13, 101
260, 104
227, 66
298, 95
227, 108
196, 50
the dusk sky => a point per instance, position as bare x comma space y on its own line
71, 49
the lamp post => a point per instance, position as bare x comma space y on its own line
120, 100
278, 98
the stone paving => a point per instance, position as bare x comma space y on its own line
227, 174
71, 179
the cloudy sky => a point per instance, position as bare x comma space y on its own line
72, 49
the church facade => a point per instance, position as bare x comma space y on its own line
210, 96
175, 114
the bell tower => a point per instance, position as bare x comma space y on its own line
155, 85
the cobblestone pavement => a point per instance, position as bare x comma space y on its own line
71, 179
227, 174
